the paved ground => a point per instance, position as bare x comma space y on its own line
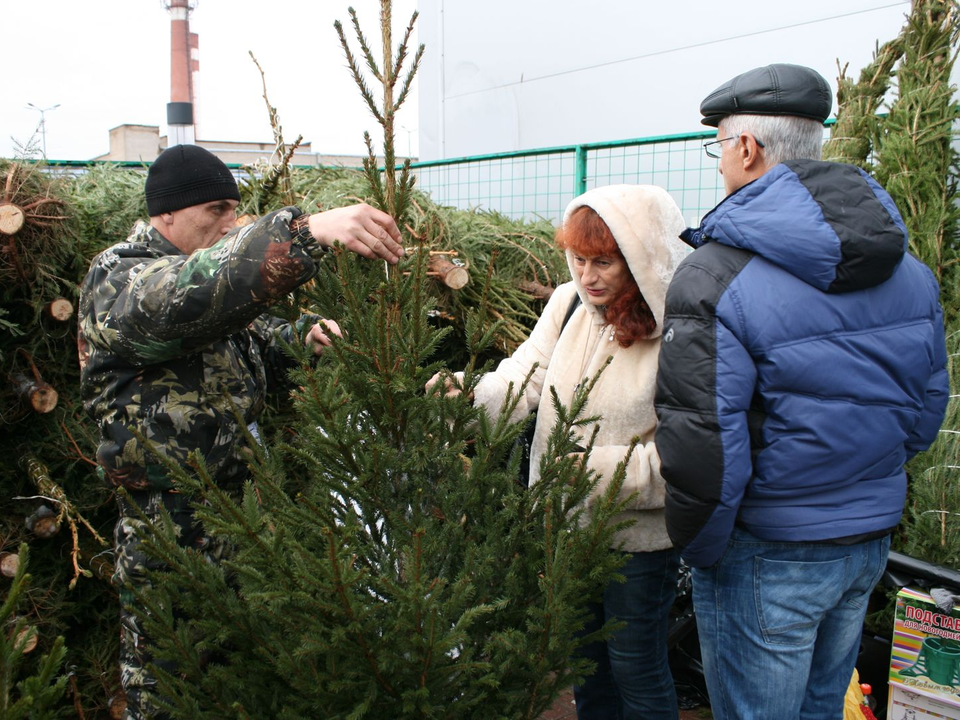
563, 709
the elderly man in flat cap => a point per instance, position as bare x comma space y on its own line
802, 364
177, 347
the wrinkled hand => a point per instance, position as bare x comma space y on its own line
319, 335
579, 459
450, 385
361, 228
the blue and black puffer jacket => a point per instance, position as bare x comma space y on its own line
802, 364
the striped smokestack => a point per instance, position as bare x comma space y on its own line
184, 64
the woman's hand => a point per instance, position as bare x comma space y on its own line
451, 388
579, 456
318, 337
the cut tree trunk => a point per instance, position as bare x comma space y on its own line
9, 564
12, 218
40, 395
452, 275
26, 640
46, 527
60, 309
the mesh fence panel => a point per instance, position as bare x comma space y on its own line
540, 183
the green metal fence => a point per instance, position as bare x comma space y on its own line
540, 183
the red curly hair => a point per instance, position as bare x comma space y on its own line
587, 235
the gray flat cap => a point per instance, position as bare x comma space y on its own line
778, 89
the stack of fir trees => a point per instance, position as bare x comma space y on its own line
911, 151
52, 505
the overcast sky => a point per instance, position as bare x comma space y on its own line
107, 63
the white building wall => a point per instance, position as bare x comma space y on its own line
507, 75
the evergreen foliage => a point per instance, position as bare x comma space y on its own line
507, 564
527, 264
48, 456
387, 564
931, 525
916, 159
102, 204
36, 695
858, 126
105, 201
389, 194
386, 561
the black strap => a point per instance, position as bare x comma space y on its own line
525, 439
573, 306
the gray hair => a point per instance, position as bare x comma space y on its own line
784, 137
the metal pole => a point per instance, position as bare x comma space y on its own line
580, 179
43, 124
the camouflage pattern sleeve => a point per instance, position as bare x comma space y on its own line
148, 310
175, 357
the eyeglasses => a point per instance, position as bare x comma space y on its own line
714, 149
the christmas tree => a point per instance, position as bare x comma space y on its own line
386, 562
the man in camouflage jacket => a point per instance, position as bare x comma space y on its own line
174, 344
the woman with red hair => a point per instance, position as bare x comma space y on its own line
622, 248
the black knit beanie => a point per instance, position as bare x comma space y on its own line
186, 175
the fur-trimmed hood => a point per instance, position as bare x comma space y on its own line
646, 223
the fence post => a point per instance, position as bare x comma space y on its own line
580, 182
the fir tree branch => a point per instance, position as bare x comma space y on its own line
405, 88
404, 192
853, 133
276, 176
364, 45
372, 172
386, 42
402, 50
357, 76
347, 606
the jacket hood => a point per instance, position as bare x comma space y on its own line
829, 224
646, 223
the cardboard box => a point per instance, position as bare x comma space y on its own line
904, 703
924, 660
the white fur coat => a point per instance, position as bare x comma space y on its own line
645, 222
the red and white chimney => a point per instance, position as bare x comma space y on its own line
184, 69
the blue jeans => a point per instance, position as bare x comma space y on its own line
780, 625
633, 678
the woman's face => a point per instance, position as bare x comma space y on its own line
603, 277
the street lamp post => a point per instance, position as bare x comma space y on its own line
409, 133
43, 124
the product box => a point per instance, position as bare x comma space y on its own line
905, 703
925, 660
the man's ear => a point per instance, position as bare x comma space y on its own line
162, 222
751, 153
